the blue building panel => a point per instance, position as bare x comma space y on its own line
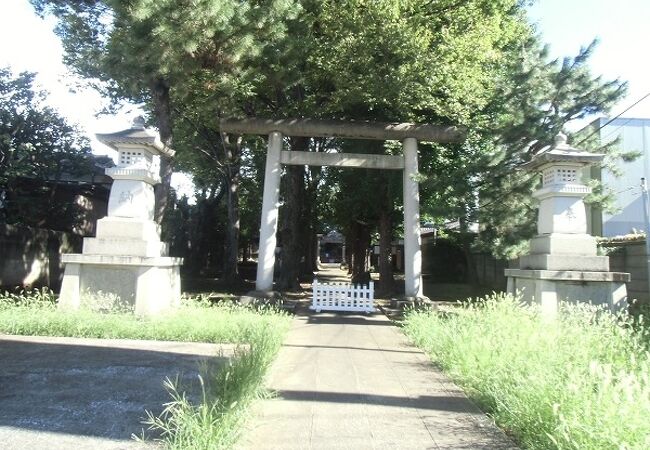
633, 135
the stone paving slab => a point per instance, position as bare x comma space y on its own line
353, 381
70, 393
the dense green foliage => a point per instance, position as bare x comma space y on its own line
475, 63
580, 382
37, 148
227, 391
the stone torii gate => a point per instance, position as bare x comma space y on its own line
408, 133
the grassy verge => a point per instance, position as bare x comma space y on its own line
580, 382
227, 394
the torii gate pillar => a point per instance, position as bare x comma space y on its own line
412, 252
269, 222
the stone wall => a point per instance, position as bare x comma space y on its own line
31, 257
630, 257
443, 262
490, 271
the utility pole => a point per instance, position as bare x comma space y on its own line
646, 219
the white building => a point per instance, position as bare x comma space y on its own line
633, 135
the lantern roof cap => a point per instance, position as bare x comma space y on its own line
136, 135
562, 152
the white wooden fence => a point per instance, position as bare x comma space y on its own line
343, 297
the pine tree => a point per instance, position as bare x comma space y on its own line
526, 113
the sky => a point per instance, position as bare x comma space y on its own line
28, 43
623, 30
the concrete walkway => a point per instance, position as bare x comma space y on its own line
353, 382
331, 273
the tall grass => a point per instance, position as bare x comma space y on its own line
579, 382
35, 313
216, 420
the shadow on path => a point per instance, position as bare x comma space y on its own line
341, 318
430, 402
334, 347
348, 380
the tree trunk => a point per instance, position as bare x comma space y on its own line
472, 274
246, 250
360, 253
314, 250
202, 230
292, 232
308, 238
231, 247
307, 267
386, 278
349, 245
199, 251
162, 111
315, 176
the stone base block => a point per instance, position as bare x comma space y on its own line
265, 295
564, 244
121, 246
121, 227
547, 288
406, 301
148, 286
565, 262
258, 298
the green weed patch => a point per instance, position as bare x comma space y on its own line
579, 382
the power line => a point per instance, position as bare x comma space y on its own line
603, 138
631, 188
614, 118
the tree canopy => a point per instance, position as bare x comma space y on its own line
38, 145
474, 63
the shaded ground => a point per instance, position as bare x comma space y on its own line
437, 292
69, 393
453, 292
216, 288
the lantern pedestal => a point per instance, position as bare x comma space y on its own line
563, 264
147, 285
549, 287
126, 264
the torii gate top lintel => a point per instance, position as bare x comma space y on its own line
345, 129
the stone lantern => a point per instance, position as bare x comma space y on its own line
136, 172
126, 261
563, 263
